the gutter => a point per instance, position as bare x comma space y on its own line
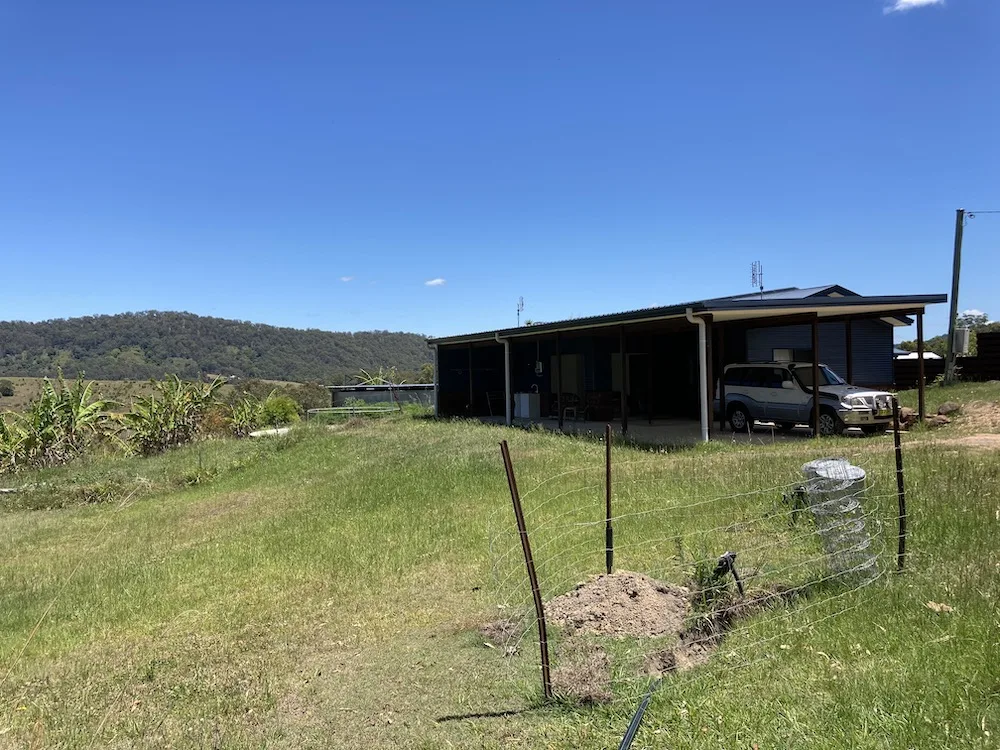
702, 370
506, 376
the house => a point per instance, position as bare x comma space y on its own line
662, 363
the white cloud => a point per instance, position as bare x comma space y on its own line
347, 278
904, 5
434, 282
973, 311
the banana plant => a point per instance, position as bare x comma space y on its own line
170, 416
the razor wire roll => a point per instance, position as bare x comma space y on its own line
834, 490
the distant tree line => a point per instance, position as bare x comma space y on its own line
143, 345
976, 322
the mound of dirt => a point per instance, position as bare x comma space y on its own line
622, 604
982, 416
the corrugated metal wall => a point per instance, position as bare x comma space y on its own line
872, 340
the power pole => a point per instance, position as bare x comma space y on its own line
949, 367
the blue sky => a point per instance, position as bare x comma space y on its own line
317, 164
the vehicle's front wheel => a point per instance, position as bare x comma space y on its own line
739, 418
873, 429
830, 423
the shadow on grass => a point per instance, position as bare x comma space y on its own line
486, 715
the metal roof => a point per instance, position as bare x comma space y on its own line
783, 301
832, 290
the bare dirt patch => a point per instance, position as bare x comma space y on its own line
502, 634
583, 673
621, 605
981, 441
982, 416
671, 634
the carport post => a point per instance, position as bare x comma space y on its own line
437, 381
559, 379
472, 396
849, 346
722, 379
815, 364
508, 398
624, 363
708, 370
921, 377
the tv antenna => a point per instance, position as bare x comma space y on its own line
757, 277
520, 309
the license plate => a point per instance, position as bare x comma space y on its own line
884, 412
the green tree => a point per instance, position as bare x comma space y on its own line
977, 322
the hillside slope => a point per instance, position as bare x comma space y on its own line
149, 344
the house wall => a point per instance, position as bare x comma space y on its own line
871, 339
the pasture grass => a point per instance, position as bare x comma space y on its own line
327, 590
960, 392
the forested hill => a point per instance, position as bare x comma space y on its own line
148, 344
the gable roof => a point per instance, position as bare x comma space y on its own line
793, 292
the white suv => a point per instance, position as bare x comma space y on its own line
782, 392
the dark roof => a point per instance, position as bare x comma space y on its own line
793, 292
791, 298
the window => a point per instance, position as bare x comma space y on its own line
771, 377
826, 376
757, 377
792, 355
736, 375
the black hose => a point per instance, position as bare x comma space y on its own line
633, 726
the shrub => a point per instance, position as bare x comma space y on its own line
310, 396
6, 388
279, 410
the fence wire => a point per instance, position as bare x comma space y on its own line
805, 552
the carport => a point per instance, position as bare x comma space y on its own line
663, 364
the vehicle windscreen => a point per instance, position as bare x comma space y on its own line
826, 376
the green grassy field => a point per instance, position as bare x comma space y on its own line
326, 590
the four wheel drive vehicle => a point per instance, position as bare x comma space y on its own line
782, 392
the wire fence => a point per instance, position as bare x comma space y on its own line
716, 560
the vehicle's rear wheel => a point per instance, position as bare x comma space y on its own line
873, 429
739, 418
830, 423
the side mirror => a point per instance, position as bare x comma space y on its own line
787, 384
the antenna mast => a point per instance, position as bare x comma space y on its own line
520, 309
757, 277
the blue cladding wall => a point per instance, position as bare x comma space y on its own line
872, 340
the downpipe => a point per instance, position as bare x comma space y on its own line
702, 369
437, 381
506, 376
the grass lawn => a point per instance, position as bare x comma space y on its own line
974, 394
326, 590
